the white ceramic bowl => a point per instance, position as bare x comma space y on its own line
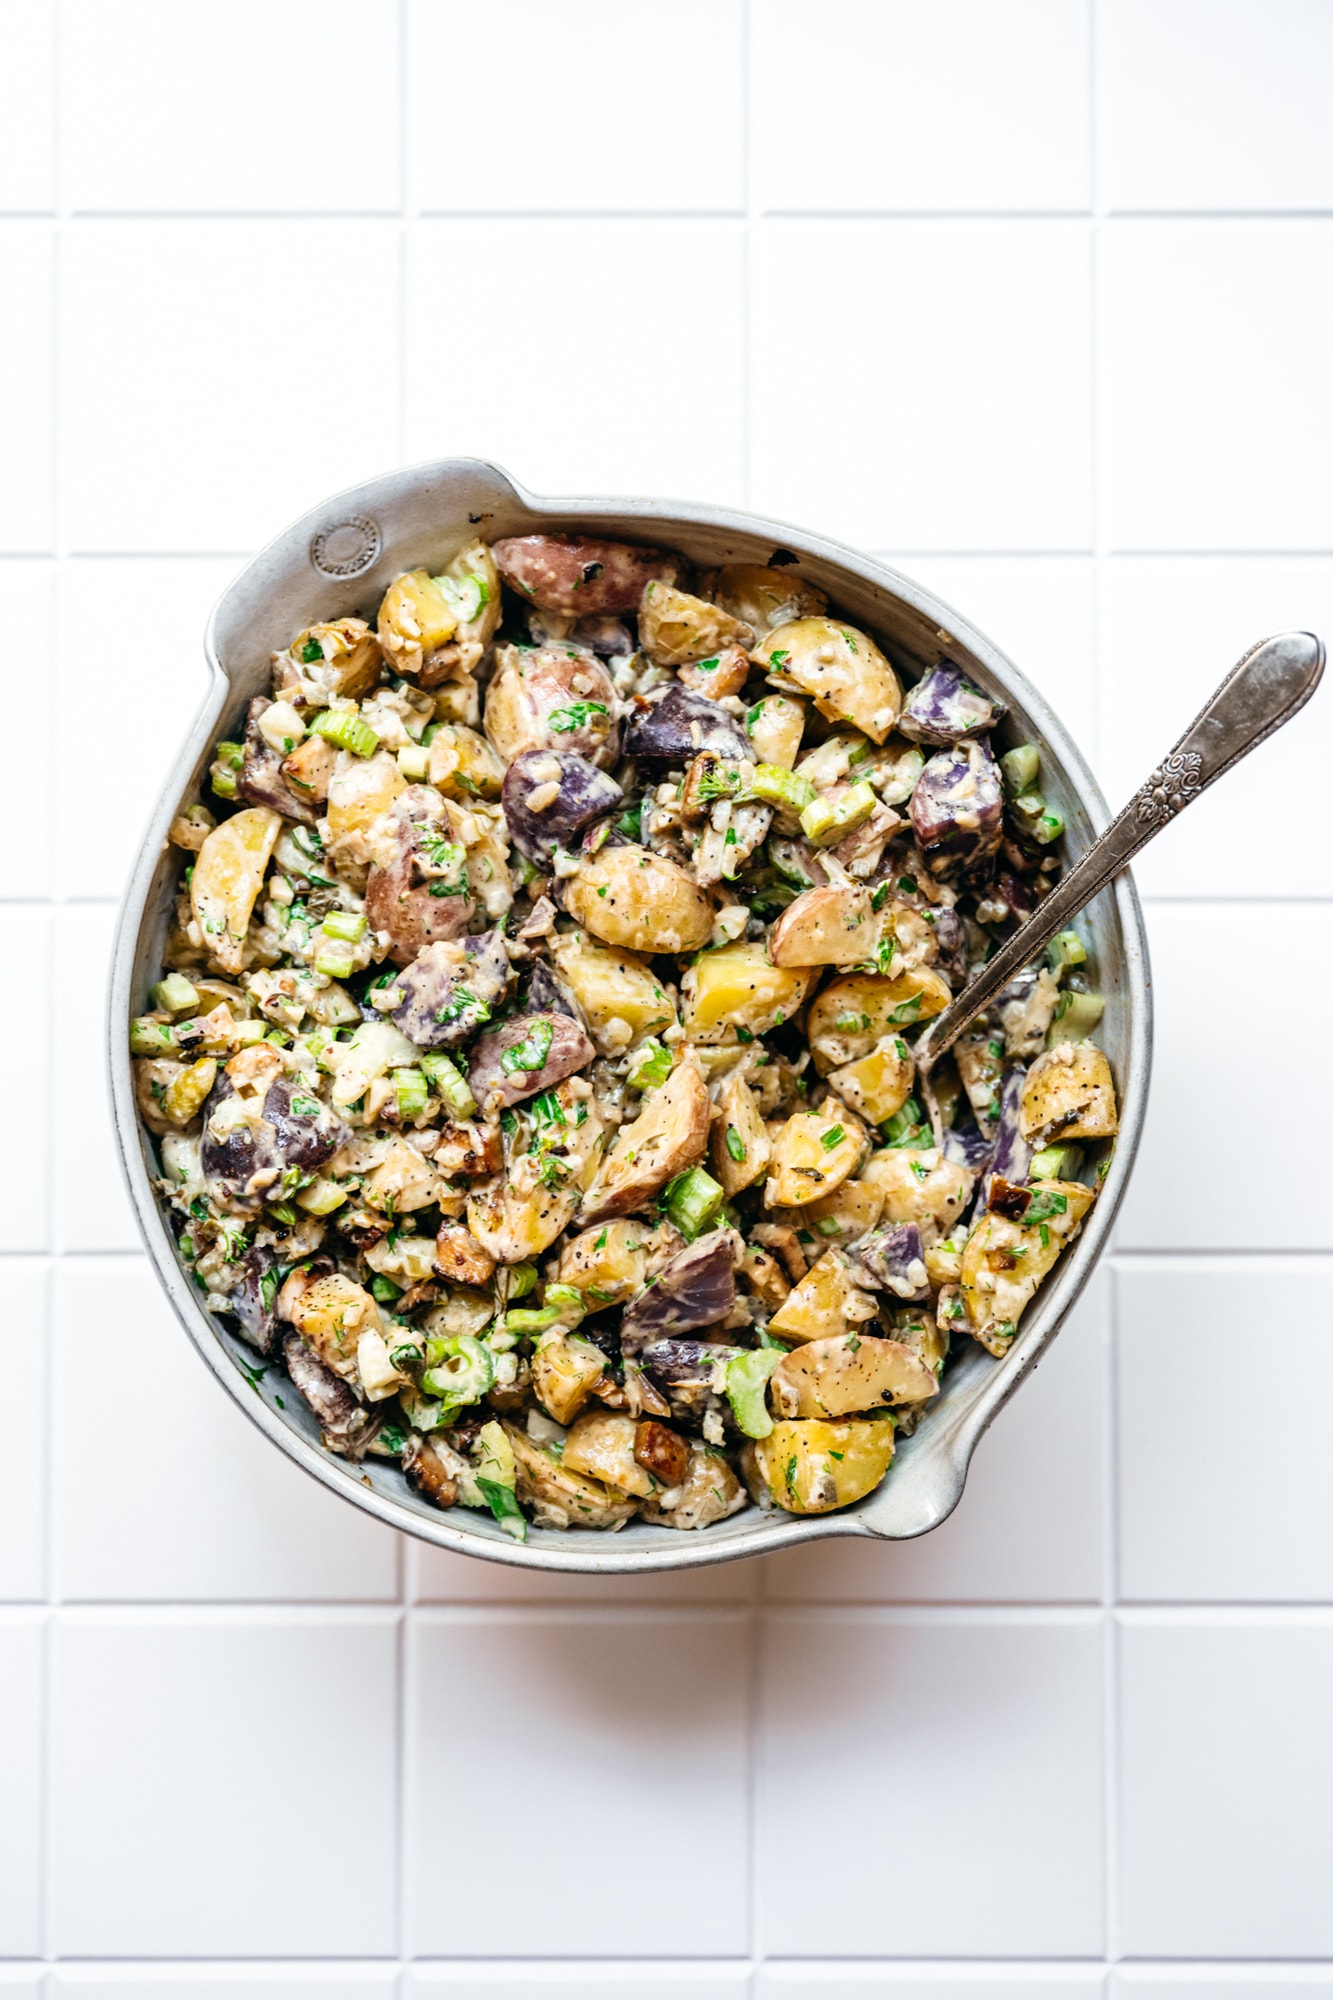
337, 561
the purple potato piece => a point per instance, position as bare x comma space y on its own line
254, 1302
958, 807
447, 996
968, 1148
260, 782
673, 725
692, 1375
346, 1425
944, 707
696, 1287
893, 1260
1013, 1154
545, 995
951, 938
581, 575
584, 794
524, 1056
297, 1130
604, 634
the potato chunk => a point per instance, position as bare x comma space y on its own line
922, 1187
1069, 1094
852, 1371
843, 669
561, 1499
737, 987
615, 1259
810, 1467
813, 1153
841, 1217
827, 1300
227, 878
612, 987
639, 901
669, 1134
775, 726
331, 1315
763, 597
709, 1492
833, 925
520, 1214
360, 790
565, 1371
1004, 1261
602, 1443
741, 1147
675, 628
854, 1013
879, 1084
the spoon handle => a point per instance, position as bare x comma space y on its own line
1274, 680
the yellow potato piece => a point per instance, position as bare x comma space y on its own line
669, 1134
675, 627
738, 987
843, 669
850, 1371
740, 1145
602, 1443
827, 1300
811, 1467
854, 1013
330, 1316
776, 726
813, 1153
1069, 1094
463, 765
635, 899
832, 925
1004, 1262
227, 877
564, 1372
841, 1217
879, 1084
609, 1262
561, 1499
612, 986
922, 1187
763, 597
360, 789
414, 618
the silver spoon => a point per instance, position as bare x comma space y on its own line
1274, 680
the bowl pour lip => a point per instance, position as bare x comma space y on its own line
940, 1472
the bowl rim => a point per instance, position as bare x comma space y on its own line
943, 1470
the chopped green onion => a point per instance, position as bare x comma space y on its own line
410, 1086
652, 1065
175, 994
231, 756
782, 788
222, 782
1067, 948
452, 1085
349, 925
1019, 768
344, 727
735, 1144
384, 1289
692, 1200
461, 1371
1048, 828
826, 820
522, 1280
534, 1319
833, 1137
503, 1503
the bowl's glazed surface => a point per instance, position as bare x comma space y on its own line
337, 561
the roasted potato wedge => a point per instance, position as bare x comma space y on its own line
852, 1371
814, 1152
878, 1085
601, 1443
833, 925
920, 1186
1069, 1094
854, 1013
565, 1371
809, 1467
737, 986
669, 1134
639, 901
228, 875
1005, 1261
709, 1492
838, 1218
841, 667
762, 597
826, 1302
611, 1262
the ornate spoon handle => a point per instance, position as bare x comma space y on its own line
1274, 680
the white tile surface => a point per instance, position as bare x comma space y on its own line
243, 1522
1029, 1524
1235, 1982
1216, 106
23, 1363
946, 406
1218, 1479
650, 114
610, 1723
972, 1738
230, 1854
25, 848
25, 386
570, 1982
960, 105
1206, 1043
263, 105
1169, 631
1226, 1779
83, 1155
436, 1577
127, 624
218, 1982
551, 384
930, 1982
1215, 413
25, 1001
249, 381
27, 104
22, 1640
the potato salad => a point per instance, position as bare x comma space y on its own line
532, 1070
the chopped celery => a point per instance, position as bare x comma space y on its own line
1075, 1017
503, 1503
230, 756
384, 1289
344, 727
1066, 948
1048, 828
531, 1319
461, 1370
826, 820
692, 1200
446, 1078
747, 1382
1019, 768
412, 1092
652, 1065
414, 762
782, 788
335, 960
222, 781
522, 1280
322, 1196
349, 925
152, 1038
175, 994
568, 1302
246, 1032
1056, 1163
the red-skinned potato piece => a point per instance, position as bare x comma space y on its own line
405, 898
525, 1056
579, 575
